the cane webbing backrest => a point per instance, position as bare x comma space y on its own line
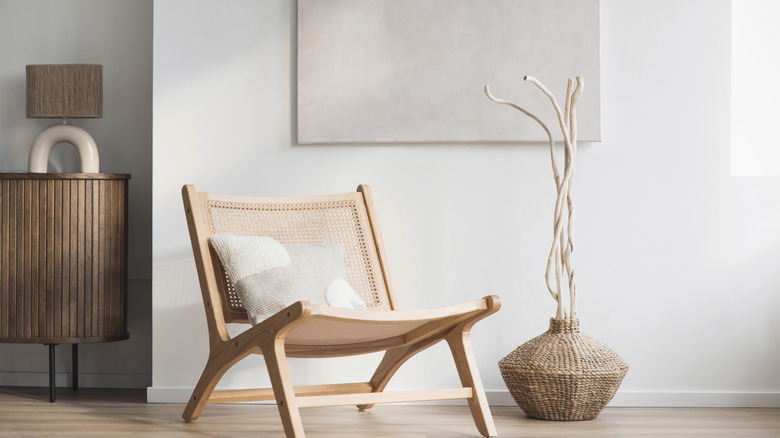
341, 221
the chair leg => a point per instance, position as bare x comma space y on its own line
460, 345
216, 367
276, 362
392, 361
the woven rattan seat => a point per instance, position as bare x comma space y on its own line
310, 330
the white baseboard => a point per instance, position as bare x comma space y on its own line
622, 398
86, 380
671, 399
696, 399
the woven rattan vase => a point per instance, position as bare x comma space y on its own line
563, 374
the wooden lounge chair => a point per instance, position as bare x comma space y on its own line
313, 331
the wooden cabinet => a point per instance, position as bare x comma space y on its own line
63, 257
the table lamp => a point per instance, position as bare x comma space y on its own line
64, 91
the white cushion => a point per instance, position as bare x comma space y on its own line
269, 276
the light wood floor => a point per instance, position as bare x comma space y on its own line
26, 412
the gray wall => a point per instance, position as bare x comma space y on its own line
118, 35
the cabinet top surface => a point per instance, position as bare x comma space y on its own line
64, 176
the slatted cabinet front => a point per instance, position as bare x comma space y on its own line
63, 258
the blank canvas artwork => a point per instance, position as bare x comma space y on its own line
413, 71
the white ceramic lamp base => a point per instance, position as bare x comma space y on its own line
78, 137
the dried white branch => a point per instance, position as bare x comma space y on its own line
577, 94
537, 120
554, 291
560, 313
558, 240
562, 247
567, 105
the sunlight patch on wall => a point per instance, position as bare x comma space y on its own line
755, 94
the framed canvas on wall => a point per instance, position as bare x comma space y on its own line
413, 71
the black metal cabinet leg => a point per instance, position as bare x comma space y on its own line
52, 387
75, 370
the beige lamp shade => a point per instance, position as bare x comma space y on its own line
65, 91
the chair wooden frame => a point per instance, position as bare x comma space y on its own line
401, 334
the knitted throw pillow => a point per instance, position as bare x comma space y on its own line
269, 276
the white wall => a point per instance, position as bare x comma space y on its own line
118, 35
676, 259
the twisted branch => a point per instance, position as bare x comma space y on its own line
562, 247
554, 291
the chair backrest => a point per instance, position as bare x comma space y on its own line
347, 219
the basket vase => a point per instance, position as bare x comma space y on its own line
563, 374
